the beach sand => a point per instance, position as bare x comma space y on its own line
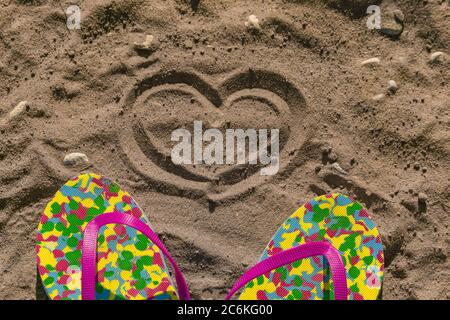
137, 70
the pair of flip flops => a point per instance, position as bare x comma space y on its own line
95, 242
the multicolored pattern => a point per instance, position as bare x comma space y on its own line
343, 222
129, 266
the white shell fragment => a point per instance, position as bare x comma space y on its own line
148, 41
338, 168
149, 44
437, 57
371, 62
378, 97
252, 23
76, 159
19, 109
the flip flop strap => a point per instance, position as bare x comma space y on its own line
89, 252
307, 250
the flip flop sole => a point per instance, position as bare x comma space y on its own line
347, 226
129, 266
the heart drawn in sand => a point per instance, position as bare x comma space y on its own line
163, 102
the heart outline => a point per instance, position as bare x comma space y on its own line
164, 175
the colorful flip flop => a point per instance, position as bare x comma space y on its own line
328, 249
94, 242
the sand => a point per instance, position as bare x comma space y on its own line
112, 91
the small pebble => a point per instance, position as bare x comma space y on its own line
437, 57
252, 23
76, 159
19, 109
393, 24
422, 197
150, 44
188, 44
392, 86
338, 168
416, 166
371, 62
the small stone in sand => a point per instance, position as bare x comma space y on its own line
252, 23
393, 24
338, 168
188, 44
371, 62
149, 44
422, 197
437, 57
19, 109
76, 159
392, 86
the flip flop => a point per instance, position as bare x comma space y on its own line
332, 234
95, 242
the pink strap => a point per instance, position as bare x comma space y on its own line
307, 250
89, 252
